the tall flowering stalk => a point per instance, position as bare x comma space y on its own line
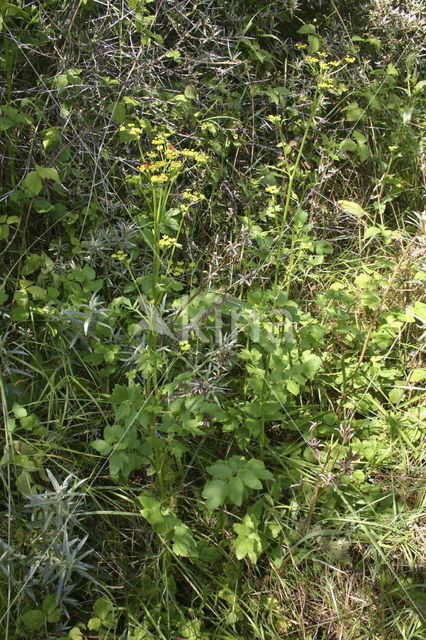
325, 71
160, 169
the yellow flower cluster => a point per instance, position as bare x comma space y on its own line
326, 84
165, 242
275, 119
184, 346
179, 269
193, 196
166, 162
120, 255
273, 190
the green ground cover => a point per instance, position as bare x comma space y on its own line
213, 320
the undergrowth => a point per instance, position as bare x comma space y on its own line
213, 320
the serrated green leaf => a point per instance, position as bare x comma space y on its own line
418, 374
183, 541
50, 608
244, 546
235, 489
23, 483
5, 123
19, 411
311, 364
32, 182
190, 93
214, 493
48, 173
248, 542
370, 232
101, 447
118, 111
113, 433
259, 467
292, 386
191, 425
104, 609
353, 112
33, 619
220, 469
94, 624
347, 145
118, 463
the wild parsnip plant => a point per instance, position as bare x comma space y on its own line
212, 320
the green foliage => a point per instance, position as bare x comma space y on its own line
212, 310
169, 527
232, 479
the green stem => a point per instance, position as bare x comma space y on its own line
314, 107
8, 63
266, 362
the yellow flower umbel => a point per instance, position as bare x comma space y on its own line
166, 162
184, 346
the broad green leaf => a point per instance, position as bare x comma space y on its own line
36, 292
113, 433
5, 123
259, 468
118, 111
118, 462
42, 206
23, 483
94, 624
220, 469
32, 182
214, 493
104, 609
50, 608
33, 619
347, 145
183, 541
418, 374
352, 208
49, 173
363, 152
244, 546
51, 138
370, 299
307, 28
236, 490
101, 446
19, 411
370, 232
292, 386
250, 478
248, 542
314, 43
311, 363
418, 311
190, 93
192, 426
353, 112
